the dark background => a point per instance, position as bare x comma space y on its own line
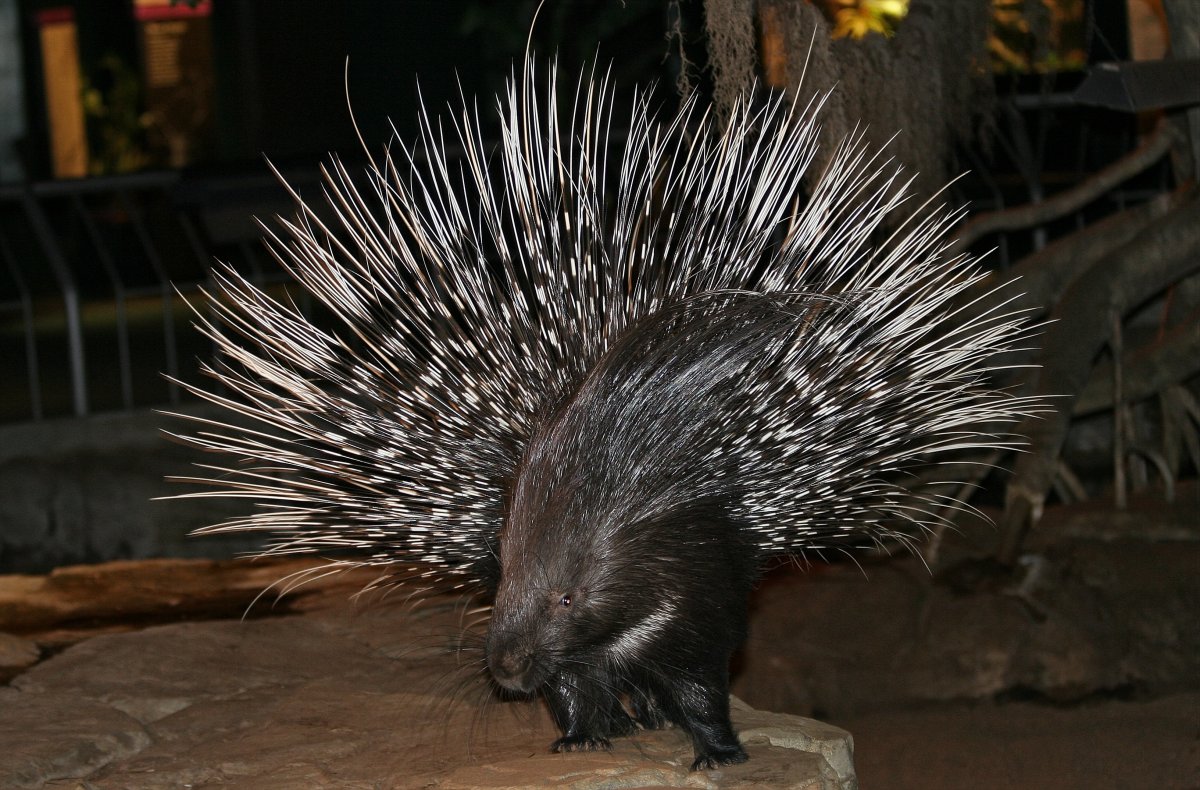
280, 65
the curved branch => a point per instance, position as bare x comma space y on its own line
1147, 370
1165, 251
1044, 275
1037, 282
1150, 151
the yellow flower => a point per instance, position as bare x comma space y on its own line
857, 18
896, 9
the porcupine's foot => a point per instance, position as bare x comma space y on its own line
586, 714
581, 743
720, 756
702, 709
617, 724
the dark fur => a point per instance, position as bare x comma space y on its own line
622, 503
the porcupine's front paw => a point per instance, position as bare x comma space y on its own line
581, 743
714, 757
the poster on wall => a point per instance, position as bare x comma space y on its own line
175, 40
59, 40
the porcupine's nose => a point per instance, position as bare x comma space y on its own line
511, 668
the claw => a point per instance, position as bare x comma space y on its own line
581, 743
718, 757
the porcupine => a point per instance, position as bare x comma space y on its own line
602, 381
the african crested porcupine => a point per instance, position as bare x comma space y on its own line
601, 379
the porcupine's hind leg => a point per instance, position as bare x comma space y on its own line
587, 712
646, 710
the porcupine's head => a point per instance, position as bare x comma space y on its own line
556, 600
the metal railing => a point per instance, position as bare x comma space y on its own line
94, 274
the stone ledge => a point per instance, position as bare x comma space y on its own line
338, 696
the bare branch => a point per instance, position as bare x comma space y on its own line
1164, 252
1042, 277
1148, 370
1150, 151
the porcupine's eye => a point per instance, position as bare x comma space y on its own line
565, 601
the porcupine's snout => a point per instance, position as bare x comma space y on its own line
511, 669
512, 655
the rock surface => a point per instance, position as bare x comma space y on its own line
336, 696
1107, 609
1150, 744
1084, 674
16, 655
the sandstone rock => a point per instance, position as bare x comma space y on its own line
58, 736
340, 697
16, 654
